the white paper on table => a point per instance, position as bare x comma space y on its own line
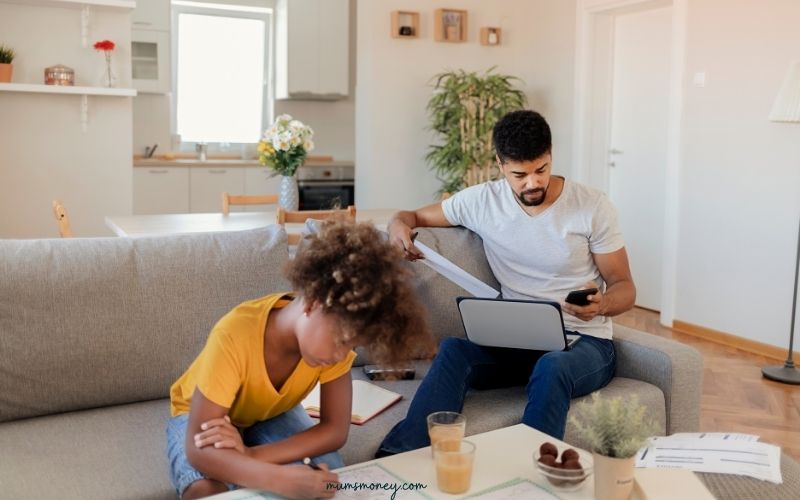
746, 458
370, 482
725, 436
455, 274
513, 490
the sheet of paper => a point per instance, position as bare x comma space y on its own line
368, 400
725, 436
455, 274
367, 482
374, 482
746, 458
514, 490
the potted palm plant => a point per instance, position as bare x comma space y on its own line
6, 68
463, 110
615, 429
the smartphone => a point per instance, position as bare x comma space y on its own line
377, 372
580, 297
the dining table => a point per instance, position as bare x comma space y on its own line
135, 226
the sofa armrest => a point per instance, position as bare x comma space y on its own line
675, 368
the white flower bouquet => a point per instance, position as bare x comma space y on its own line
285, 144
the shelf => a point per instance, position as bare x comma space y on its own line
450, 25
63, 89
77, 4
490, 36
405, 24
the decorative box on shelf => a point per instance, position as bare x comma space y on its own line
405, 24
450, 25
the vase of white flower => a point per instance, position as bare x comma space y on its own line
283, 148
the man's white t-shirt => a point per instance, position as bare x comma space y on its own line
542, 256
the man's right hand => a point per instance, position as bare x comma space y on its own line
400, 235
301, 481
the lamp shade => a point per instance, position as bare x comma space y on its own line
787, 105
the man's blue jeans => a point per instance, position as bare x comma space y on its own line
552, 378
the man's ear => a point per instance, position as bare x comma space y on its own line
499, 161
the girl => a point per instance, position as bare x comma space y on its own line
236, 418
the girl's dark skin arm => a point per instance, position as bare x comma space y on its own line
231, 466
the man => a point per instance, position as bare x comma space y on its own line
543, 236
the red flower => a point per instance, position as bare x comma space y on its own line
104, 45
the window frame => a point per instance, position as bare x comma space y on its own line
266, 14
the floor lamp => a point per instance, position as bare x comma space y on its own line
787, 109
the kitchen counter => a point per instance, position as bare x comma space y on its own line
212, 162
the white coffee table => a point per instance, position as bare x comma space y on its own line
503, 455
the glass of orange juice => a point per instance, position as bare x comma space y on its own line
454, 465
446, 427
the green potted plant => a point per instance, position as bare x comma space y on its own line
6, 68
615, 429
463, 110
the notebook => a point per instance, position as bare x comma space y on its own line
368, 401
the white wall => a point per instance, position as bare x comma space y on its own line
740, 174
45, 154
394, 78
333, 121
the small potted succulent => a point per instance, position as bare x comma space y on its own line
615, 429
6, 56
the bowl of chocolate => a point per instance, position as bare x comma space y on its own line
566, 472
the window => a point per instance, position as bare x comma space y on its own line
221, 68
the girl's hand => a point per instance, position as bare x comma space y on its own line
301, 481
220, 433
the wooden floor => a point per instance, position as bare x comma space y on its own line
736, 398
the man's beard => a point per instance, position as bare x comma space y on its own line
537, 201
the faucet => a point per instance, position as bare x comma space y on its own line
148, 151
202, 151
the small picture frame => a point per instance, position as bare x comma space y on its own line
405, 24
490, 36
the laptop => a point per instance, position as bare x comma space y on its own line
522, 324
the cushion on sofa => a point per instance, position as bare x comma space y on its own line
89, 322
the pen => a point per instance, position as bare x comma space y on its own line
307, 461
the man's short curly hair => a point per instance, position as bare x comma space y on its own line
522, 136
352, 272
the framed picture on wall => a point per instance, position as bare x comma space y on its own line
450, 25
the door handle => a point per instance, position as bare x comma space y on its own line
614, 151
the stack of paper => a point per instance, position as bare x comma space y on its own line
714, 452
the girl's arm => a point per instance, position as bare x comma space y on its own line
230, 466
329, 435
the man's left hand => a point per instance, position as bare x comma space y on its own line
590, 310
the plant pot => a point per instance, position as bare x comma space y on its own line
288, 196
613, 477
5, 72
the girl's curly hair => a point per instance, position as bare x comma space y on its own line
352, 272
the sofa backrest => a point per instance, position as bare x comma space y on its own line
90, 322
438, 294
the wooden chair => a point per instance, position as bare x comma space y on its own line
228, 200
64, 228
300, 216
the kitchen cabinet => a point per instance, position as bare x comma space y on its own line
150, 61
206, 186
160, 190
151, 15
312, 49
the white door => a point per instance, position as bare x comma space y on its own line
638, 142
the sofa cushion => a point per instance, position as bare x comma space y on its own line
116, 452
89, 322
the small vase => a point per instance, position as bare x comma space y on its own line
108, 78
6, 70
613, 477
288, 197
